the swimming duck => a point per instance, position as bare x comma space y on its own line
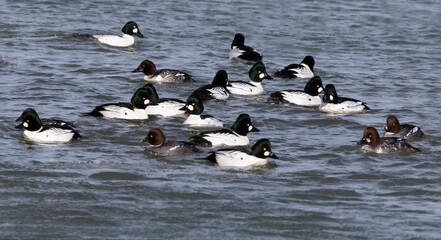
160, 147
334, 104
126, 40
236, 136
162, 76
135, 110
303, 70
240, 50
307, 98
406, 131
37, 132
236, 158
257, 73
216, 90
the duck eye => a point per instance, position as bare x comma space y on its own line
259, 71
134, 26
151, 135
143, 98
192, 104
370, 136
393, 123
264, 149
27, 120
318, 86
248, 124
143, 66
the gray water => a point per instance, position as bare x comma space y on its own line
386, 53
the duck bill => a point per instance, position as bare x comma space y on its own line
20, 126
362, 141
138, 69
386, 128
143, 140
254, 129
272, 155
139, 34
18, 119
267, 77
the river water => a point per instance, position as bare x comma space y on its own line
386, 53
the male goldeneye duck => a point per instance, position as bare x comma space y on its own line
160, 147
236, 158
257, 73
134, 110
303, 70
216, 90
38, 132
45, 121
334, 104
308, 98
406, 131
162, 76
165, 106
373, 143
126, 40
236, 136
239, 50
194, 108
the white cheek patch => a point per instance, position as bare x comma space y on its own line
262, 75
368, 140
190, 107
250, 128
25, 125
146, 102
320, 89
266, 153
331, 97
135, 30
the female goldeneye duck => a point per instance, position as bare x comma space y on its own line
239, 50
160, 147
236, 136
166, 107
334, 104
307, 98
257, 73
303, 70
395, 129
45, 121
193, 109
260, 151
135, 110
216, 90
162, 76
126, 40
373, 143
36, 131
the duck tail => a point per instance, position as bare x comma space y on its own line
276, 98
94, 113
199, 140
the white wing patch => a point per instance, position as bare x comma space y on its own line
301, 98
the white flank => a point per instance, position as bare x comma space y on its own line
196, 121
235, 158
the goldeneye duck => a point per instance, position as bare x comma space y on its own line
126, 40
406, 131
334, 104
236, 136
135, 110
162, 76
303, 70
372, 142
45, 121
307, 98
194, 108
160, 147
165, 106
239, 50
216, 90
257, 73
236, 158
37, 132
